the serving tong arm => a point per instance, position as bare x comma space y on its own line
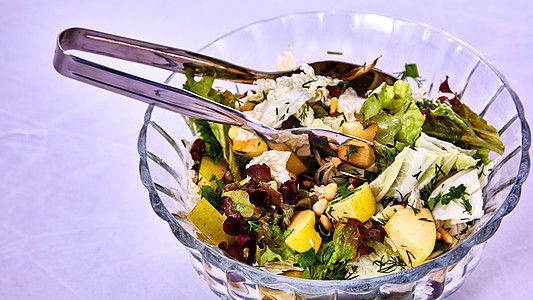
142, 89
163, 95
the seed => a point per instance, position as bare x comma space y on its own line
307, 183
335, 161
320, 206
445, 236
325, 222
330, 191
227, 176
333, 146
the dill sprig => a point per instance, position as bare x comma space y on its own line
352, 149
411, 71
390, 265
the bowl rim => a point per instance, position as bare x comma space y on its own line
401, 277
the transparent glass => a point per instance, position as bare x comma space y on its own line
360, 37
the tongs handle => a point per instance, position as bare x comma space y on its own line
142, 89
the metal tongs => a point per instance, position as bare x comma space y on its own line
180, 100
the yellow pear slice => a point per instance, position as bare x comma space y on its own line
413, 232
210, 222
303, 236
210, 171
357, 153
251, 147
358, 130
360, 205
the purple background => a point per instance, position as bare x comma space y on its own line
75, 221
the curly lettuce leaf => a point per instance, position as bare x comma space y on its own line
330, 260
271, 242
395, 112
460, 125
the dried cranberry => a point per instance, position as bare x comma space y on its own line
259, 173
198, 150
289, 191
335, 91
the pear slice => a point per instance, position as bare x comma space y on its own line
210, 171
413, 232
360, 205
210, 222
303, 236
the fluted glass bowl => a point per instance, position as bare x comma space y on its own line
360, 37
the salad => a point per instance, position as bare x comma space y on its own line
363, 212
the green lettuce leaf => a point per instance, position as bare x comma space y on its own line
215, 135
395, 112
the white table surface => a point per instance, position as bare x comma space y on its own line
75, 221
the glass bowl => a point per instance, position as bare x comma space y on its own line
360, 37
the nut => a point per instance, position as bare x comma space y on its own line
247, 106
335, 160
333, 146
330, 191
228, 176
325, 222
320, 206
307, 183
333, 106
445, 236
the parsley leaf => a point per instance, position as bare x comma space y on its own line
307, 258
214, 196
455, 192
411, 71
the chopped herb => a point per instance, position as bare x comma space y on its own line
343, 190
277, 112
389, 265
455, 192
352, 149
452, 135
403, 199
307, 84
467, 205
214, 196
425, 103
411, 71
415, 210
307, 258
426, 219
426, 191
334, 52
409, 255
304, 112
344, 86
